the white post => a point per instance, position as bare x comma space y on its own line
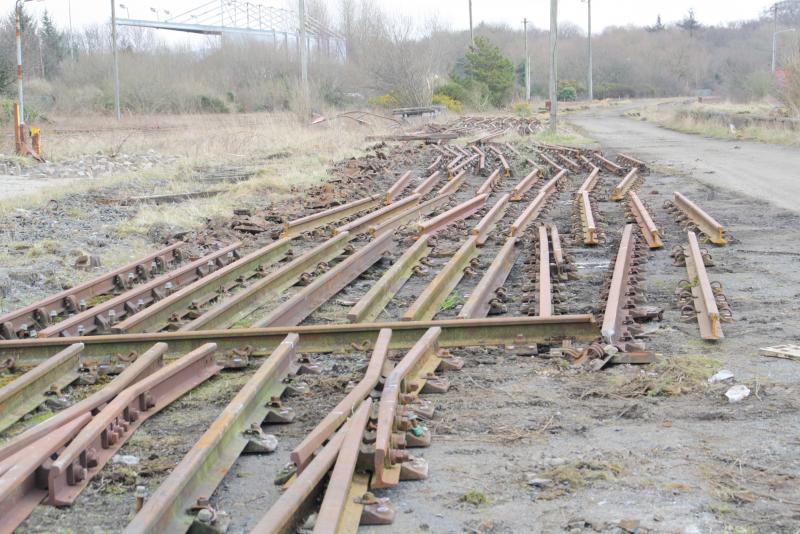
20, 95
116, 64
589, 45
553, 65
471, 32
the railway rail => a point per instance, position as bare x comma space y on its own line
696, 219
270, 302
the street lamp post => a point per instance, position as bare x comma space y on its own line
775, 46
589, 49
527, 63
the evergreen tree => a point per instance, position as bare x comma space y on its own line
54, 45
658, 27
486, 65
690, 23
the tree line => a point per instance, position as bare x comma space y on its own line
393, 61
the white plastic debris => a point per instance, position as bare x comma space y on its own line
721, 376
737, 393
125, 459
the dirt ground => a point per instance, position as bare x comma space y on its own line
530, 444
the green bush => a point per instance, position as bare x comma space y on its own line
212, 104
485, 65
567, 94
453, 91
451, 103
522, 109
389, 100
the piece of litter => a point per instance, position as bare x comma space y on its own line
737, 393
721, 376
125, 459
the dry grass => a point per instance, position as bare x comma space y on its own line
568, 478
288, 156
675, 117
677, 375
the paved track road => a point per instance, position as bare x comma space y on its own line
767, 172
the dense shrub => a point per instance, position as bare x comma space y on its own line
451, 103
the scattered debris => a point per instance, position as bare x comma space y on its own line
737, 393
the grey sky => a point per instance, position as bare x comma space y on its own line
451, 13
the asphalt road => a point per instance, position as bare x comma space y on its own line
766, 172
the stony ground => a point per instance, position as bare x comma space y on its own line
529, 444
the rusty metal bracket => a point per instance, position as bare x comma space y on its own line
97, 442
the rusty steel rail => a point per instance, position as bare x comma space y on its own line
586, 219
506, 167
571, 164
481, 158
428, 184
545, 300
228, 312
454, 162
618, 326
202, 468
627, 183
457, 213
463, 165
189, 299
558, 253
146, 364
697, 218
413, 214
453, 185
487, 187
525, 184
102, 317
632, 162
303, 453
429, 301
40, 315
323, 218
537, 205
283, 516
21, 488
343, 505
398, 187
486, 296
488, 221
370, 306
492, 331
405, 382
363, 224
700, 297
97, 442
549, 162
302, 304
28, 391
591, 181
608, 165
651, 233
435, 164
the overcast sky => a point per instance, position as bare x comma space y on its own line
451, 13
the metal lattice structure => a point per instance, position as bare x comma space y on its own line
220, 17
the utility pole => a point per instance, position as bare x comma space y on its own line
527, 63
775, 46
553, 66
301, 47
589, 51
71, 37
116, 62
18, 13
471, 31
